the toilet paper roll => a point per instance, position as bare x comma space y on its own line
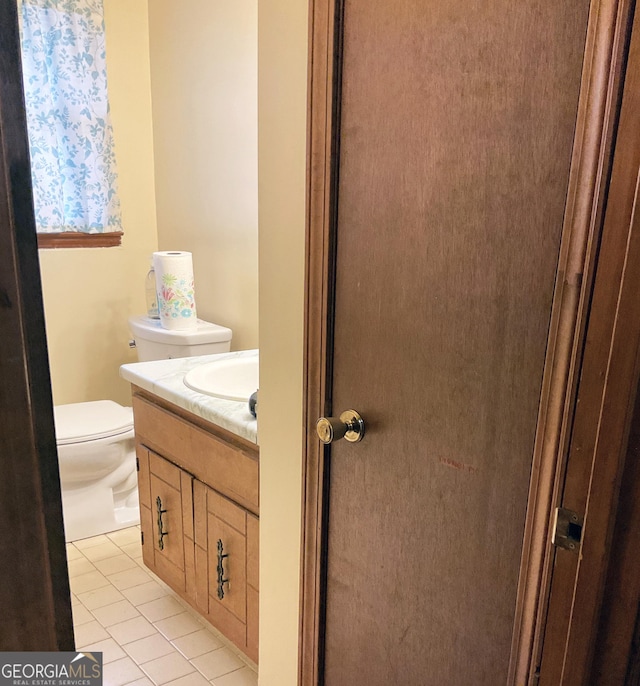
174, 284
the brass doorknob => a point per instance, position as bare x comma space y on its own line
350, 425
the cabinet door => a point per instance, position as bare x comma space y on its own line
163, 521
227, 552
167, 513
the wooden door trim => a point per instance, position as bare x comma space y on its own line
606, 394
590, 169
323, 105
598, 112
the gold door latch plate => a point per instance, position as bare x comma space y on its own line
567, 529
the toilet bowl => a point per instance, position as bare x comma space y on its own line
97, 461
96, 446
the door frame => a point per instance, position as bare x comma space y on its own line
597, 117
599, 441
34, 589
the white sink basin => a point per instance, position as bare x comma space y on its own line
234, 378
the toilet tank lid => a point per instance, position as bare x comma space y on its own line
78, 422
205, 332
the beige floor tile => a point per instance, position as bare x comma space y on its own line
178, 625
241, 677
81, 615
133, 550
121, 672
73, 553
125, 536
193, 679
148, 648
101, 551
115, 613
218, 663
197, 643
162, 583
129, 578
90, 542
140, 561
164, 607
117, 563
145, 681
87, 582
100, 597
110, 650
90, 632
145, 593
80, 566
247, 660
74, 600
131, 630
167, 668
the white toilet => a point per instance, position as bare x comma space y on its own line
96, 447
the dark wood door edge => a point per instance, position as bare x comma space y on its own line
598, 110
34, 585
320, 250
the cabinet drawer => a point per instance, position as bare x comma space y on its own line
229, 469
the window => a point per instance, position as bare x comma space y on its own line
73, 163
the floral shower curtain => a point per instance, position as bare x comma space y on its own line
70, 135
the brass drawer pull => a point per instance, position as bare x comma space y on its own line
220, 569
161, 532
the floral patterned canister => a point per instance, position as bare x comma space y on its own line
176, 293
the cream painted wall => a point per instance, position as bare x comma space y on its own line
204, 91
282, 79
90, 292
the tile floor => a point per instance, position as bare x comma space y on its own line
147, 634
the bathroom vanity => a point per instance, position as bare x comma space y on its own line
198, 478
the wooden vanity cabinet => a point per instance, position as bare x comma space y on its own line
198, 512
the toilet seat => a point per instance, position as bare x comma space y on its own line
91, 421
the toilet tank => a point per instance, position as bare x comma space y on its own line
153, 342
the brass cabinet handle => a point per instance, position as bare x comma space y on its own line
161, 532
350, 426
220, 569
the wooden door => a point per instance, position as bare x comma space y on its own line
443, 205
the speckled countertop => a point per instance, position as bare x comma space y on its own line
165, 378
